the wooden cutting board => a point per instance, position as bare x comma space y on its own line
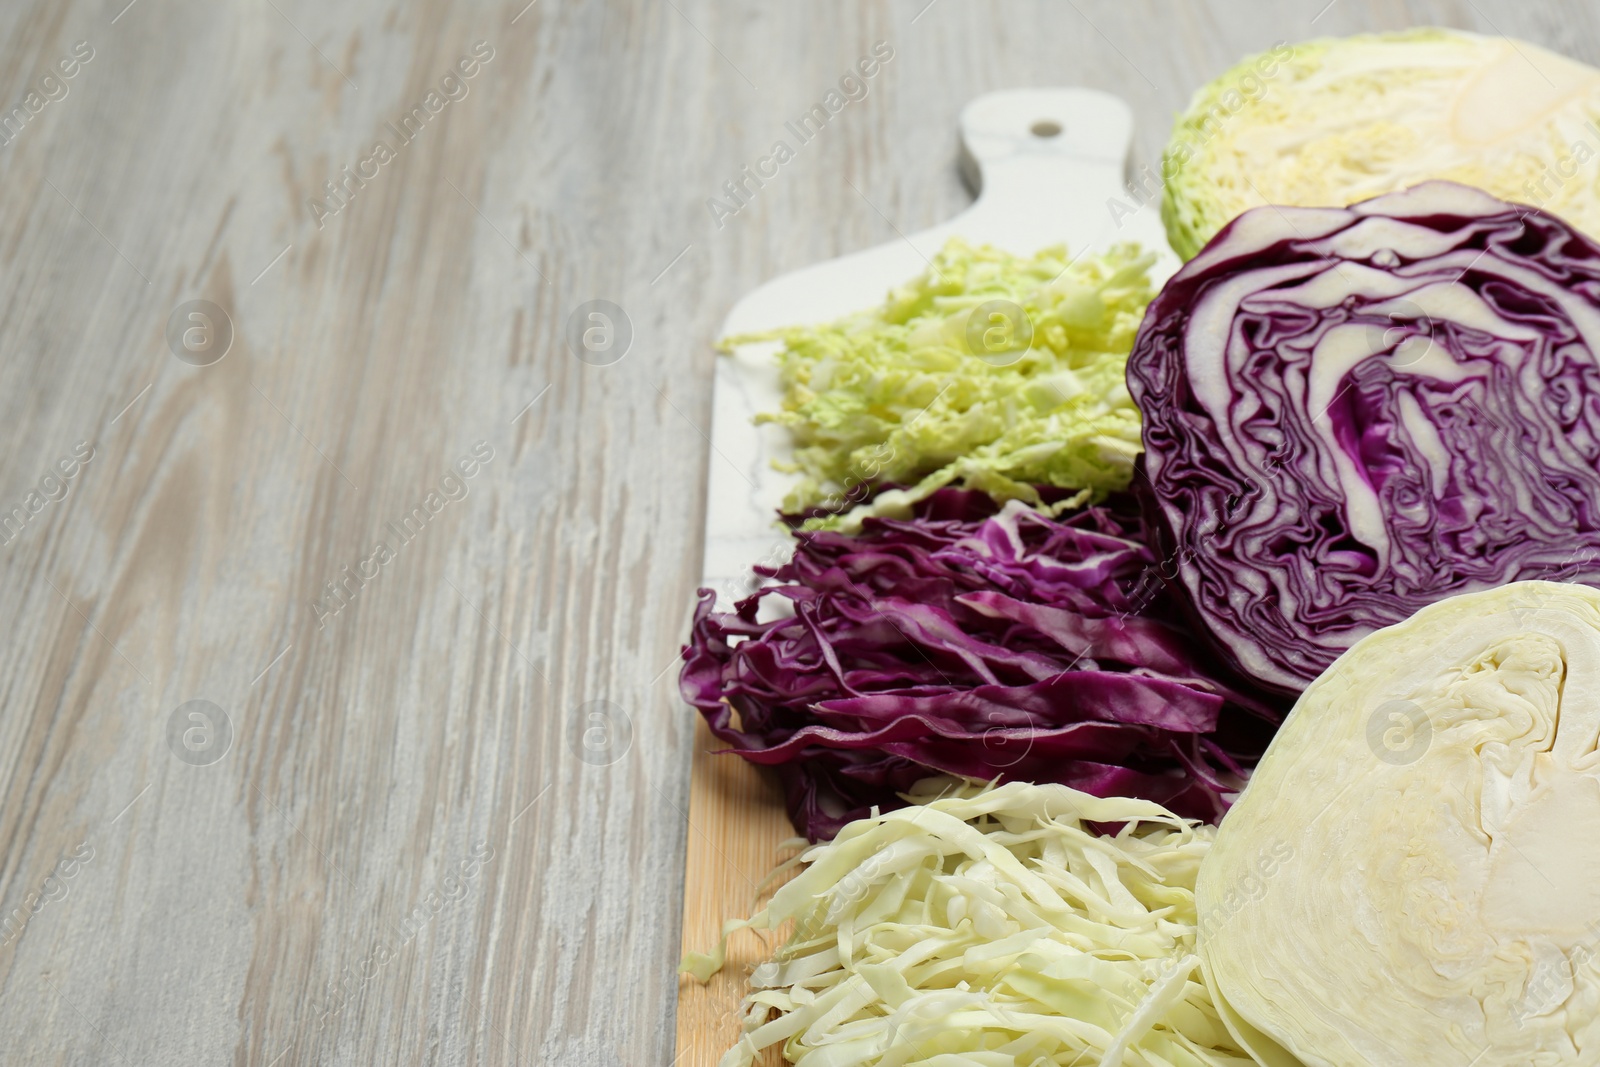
1049, 165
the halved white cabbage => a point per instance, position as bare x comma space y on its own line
1412, 876
1329, 122
994, 928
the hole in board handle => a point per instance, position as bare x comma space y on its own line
1046, 128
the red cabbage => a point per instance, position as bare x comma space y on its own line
1351, 413
973, 643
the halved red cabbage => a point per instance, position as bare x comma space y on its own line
968, 642
1351, 413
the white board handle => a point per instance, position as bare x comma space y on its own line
1034, 123
1048, 161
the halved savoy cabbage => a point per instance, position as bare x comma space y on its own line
1326, 123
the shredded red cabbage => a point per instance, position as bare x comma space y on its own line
976, 643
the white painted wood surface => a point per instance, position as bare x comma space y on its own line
211, 913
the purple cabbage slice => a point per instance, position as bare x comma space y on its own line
970, 642
1351, 413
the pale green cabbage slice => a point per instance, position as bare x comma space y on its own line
1327, 123
991, 927
1412, 875
895, 393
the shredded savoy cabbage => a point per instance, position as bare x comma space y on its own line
899, 395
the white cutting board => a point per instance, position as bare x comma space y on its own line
1036, 189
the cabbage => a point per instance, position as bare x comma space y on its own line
995, 929
1351, 413
898, 394
1327, 123
1411, 875
1012, 644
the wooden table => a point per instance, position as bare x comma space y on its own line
322, 457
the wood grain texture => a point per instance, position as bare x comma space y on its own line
738, 832
303, 899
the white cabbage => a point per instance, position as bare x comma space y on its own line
1412, 876
993, 928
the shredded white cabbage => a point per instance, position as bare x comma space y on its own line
990, 927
